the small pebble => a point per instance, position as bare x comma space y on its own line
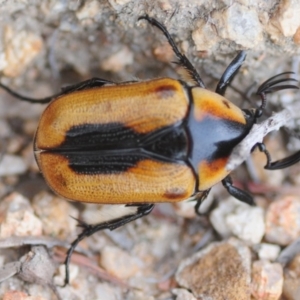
219, 271
267, 280
17, 217
118, 61
232, 217
282, 220
20, 49
119, 263
268, 251
12, 165
57, 214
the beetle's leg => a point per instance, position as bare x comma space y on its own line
183, 60
88, 230
87, 84
236, 192
285, 162
279, 164
90, 83
199, 199
271, 85
262, 148
230, 73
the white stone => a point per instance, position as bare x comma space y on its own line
233, 217
12, 165
247, 223
268, 251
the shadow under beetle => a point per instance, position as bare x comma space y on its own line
145, 142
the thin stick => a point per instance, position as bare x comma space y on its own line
242, 151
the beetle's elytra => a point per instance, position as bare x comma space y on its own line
140, 143
139, 147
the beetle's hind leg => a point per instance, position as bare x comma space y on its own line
90, 83
279, 164
183, 60
236, 192
88, 230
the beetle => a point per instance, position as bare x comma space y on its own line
144, 142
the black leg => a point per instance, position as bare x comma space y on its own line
183, 60
230, 73
279, 164
236, 192
90, 83
269, 86
87, 84
199, 199
285, 162
262, 148
88, 230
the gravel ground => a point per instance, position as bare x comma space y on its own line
232, 251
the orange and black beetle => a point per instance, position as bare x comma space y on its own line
139, 143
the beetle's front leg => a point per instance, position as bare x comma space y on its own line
88, 229
279, 164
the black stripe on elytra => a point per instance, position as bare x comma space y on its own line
113, 148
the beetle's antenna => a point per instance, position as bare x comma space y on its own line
273, 85
183, 60
269, 86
